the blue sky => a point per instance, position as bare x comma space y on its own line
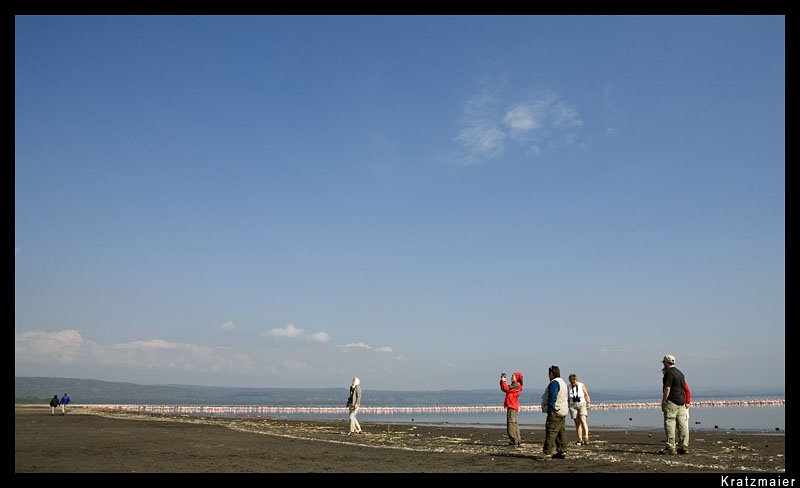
423, 202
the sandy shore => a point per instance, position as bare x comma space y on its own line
107, 442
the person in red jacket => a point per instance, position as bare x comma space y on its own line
511, 404
688, 394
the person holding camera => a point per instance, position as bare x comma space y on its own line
579, 401
511, 404
353, 402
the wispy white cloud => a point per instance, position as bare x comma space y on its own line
401, 358
482, 142
151, 345
319, 337
448, 364
227, 326
61, 347
480, 135
292, 332
289, 331
356, 345
540, 120
384, 349
68, 347
613, 349
528, 115
187, 357
565, 115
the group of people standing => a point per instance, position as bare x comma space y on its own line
55, 402
559, 399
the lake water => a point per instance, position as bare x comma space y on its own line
743, 413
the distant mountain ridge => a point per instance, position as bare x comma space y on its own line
40, 389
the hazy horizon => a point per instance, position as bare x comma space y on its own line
700, 389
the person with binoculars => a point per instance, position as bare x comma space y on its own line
579, 402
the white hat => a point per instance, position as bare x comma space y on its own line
669, 358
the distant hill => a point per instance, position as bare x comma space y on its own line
41, 389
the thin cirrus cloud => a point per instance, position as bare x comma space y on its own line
227, 326
363, 345
356, 345
292, 332
489, 127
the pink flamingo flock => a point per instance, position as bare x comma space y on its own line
262, 409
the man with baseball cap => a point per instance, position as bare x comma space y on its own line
673, 404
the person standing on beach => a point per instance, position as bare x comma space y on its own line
64, 401
353, 402
554, 404
688, 394
53, 404
511, 404
579, 400
673, 404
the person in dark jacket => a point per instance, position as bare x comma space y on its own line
673, 405
511, 405
53, 404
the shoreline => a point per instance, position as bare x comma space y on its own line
112, 441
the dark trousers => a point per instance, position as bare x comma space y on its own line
512, 426
555, 434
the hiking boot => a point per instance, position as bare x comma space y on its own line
668, 452
560, 455
683, 450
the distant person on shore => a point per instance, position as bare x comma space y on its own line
579, 401
511, 404
554, 404
64, 401
53, 404
673, 404
353, 402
